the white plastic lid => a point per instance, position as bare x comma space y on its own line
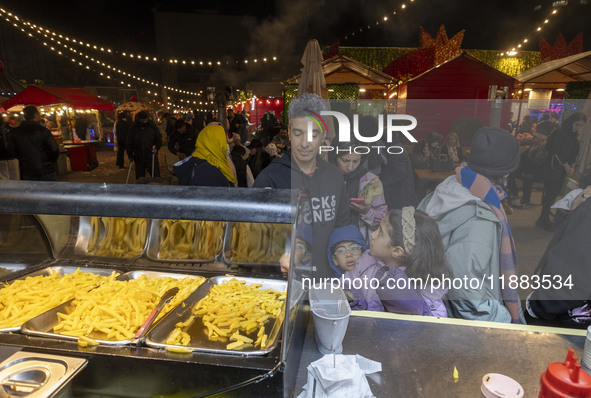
495, 385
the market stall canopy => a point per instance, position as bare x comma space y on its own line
134, 106
568, 69
72, 97
342, 69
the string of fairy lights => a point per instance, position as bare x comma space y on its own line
519, 46
89, 63
77, 50
404, 6
401, 8
135, 56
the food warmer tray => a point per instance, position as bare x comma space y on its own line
62, 270
157, 337
153, 247
84, 235
229, 257
43, 324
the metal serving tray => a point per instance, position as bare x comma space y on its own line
43, 324
154, 251
231, 258
157, 337
84, 236
62, 270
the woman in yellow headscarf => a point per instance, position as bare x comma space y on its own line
210, 165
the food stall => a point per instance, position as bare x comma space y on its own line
67, 105
54, 227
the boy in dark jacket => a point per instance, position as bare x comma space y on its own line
324, 182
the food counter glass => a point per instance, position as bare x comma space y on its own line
145, 232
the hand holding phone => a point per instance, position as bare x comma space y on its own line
357, 200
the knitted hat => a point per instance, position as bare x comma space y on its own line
494, 152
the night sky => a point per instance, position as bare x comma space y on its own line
489, 24
283, 27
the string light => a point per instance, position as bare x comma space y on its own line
385, 19
96, 61
516, 48
125, 54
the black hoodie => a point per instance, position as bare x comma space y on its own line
328, 200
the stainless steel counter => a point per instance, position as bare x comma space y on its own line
418, 354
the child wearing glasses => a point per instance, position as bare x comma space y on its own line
345, 246
394, 274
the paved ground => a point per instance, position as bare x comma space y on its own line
530, 240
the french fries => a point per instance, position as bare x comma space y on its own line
230, 312
122, 237
258, 242
190, 239
24, 299
117, 309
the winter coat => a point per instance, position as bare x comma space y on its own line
366, 268
122, 127
347, 233
198, 172
567, 256
328, 207
370, 221
35, 149
183, 142
7, 149
404, 300
141, 140
563, 147
471, 234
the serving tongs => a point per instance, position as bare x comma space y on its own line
166, 297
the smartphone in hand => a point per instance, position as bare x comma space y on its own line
357, 200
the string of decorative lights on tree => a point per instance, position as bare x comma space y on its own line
126, 54
384, 20
519, 46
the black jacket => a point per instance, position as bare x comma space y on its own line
198, 172
35, 149
122, 128
7, 150
563, 147
240, 166
568, 257
183, 143
329, 207
140, 142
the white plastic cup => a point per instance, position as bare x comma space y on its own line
495, 385
331, 311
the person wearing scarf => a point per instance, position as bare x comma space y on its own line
475, 230
210, 164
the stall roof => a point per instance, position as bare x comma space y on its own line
572, 68
340, 63
72, 97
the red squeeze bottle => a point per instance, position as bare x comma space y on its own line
565, 380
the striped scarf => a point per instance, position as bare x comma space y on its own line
492, 194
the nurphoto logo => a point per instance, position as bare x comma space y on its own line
391, 126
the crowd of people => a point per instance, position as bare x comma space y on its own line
364, 220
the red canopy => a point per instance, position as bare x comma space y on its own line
72, 97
